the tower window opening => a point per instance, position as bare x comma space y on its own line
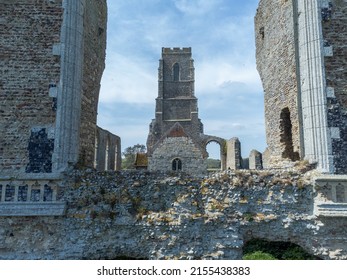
176, 72
176, 164
286, 136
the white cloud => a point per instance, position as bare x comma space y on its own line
197, 7
127, 79
227, 83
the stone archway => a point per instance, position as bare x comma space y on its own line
222, 143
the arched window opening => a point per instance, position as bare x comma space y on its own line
176, 164
214, 156
286, 137
176, 72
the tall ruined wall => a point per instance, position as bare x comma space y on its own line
95, 20
154, 216
28, 72
301, 50
334, 22
276, 63
52, 59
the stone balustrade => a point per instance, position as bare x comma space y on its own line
331, 198
31, 197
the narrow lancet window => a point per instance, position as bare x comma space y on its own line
176, 72
176, 164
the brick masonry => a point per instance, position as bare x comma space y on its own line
29, 30
51, 63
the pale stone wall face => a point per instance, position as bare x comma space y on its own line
234, 159
181, 148
276, 63
155, 216
94, 63
107, 151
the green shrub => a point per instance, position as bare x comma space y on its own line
258, 255
278, 249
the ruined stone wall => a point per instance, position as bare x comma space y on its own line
95, 19
334, 22
51, 64
301, 49
107, 151
29, 72
276, 63
155, 216
233, 158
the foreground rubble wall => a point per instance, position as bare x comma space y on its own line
158, 216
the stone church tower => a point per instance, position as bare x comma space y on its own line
176, 140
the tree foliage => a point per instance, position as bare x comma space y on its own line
129, 154
259, 249
213, 163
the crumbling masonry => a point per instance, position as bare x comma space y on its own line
301, 58
51, 64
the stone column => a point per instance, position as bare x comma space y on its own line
66, 145
317, 141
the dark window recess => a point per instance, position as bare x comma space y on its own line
327, 12
23, 193
40, 152
262, 32
176, 164
35, 195
286, 136
9, 194
176, 72
101, 31
326, 43
54, 104
47, 193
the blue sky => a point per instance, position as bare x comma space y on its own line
227, 84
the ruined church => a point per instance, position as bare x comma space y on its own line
176, 140
49, 91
